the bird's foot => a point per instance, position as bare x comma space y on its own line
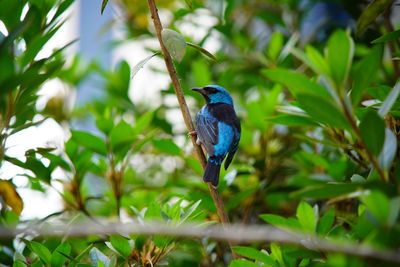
192, 133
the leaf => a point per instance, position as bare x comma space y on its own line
103, 6
281, 222
121, 135
141, 64
318, 62
390, 100
373, 10
40, 250
296, 83
175, 43
275, 45
388, 37
377, 204
167, 146
323, 111
121, 244
10, 196
326, 222
365, 73
339, 56
372, 128
202, 50
58, 257
292, 120
90, 141
98, 258
38, 168
37, 44
143, 122
306, 216
254, 254
388, 152
186, 216
242, 263
276, 253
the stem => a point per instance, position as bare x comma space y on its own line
357, 132
184, 109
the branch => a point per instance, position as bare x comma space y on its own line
244, 234
185, 110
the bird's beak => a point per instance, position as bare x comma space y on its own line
200, 90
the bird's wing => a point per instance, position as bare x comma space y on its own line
207, 131
235, 142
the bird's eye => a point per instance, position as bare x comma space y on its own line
211, 90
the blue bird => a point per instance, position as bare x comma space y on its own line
218, 130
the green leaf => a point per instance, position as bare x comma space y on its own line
98, 258
121, 244
58, 257
365, 73
42, 251
275, 45
339, 56
372, 128
377, 204
326, 222
175, 43
388, 37
103, 6
141, 64
276, 254
390, 100
187, 215
202, 50
292, 120
37, 44
306, 216
167, 146
242, 263
388, 152
90, 141
143, 122
104, 124
323, 111
37, 167
318, 62
296, 83
281, 222
121, 135
254, 254
373, 10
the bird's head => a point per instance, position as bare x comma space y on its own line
215, 94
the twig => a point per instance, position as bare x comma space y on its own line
184, 109
243, 234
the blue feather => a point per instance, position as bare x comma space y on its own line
218, 129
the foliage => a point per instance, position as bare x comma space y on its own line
319, 150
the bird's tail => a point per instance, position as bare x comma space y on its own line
211, 174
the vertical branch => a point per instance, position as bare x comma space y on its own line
184, 109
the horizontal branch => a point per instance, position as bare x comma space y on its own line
240, 234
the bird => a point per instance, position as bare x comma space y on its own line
218, 130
